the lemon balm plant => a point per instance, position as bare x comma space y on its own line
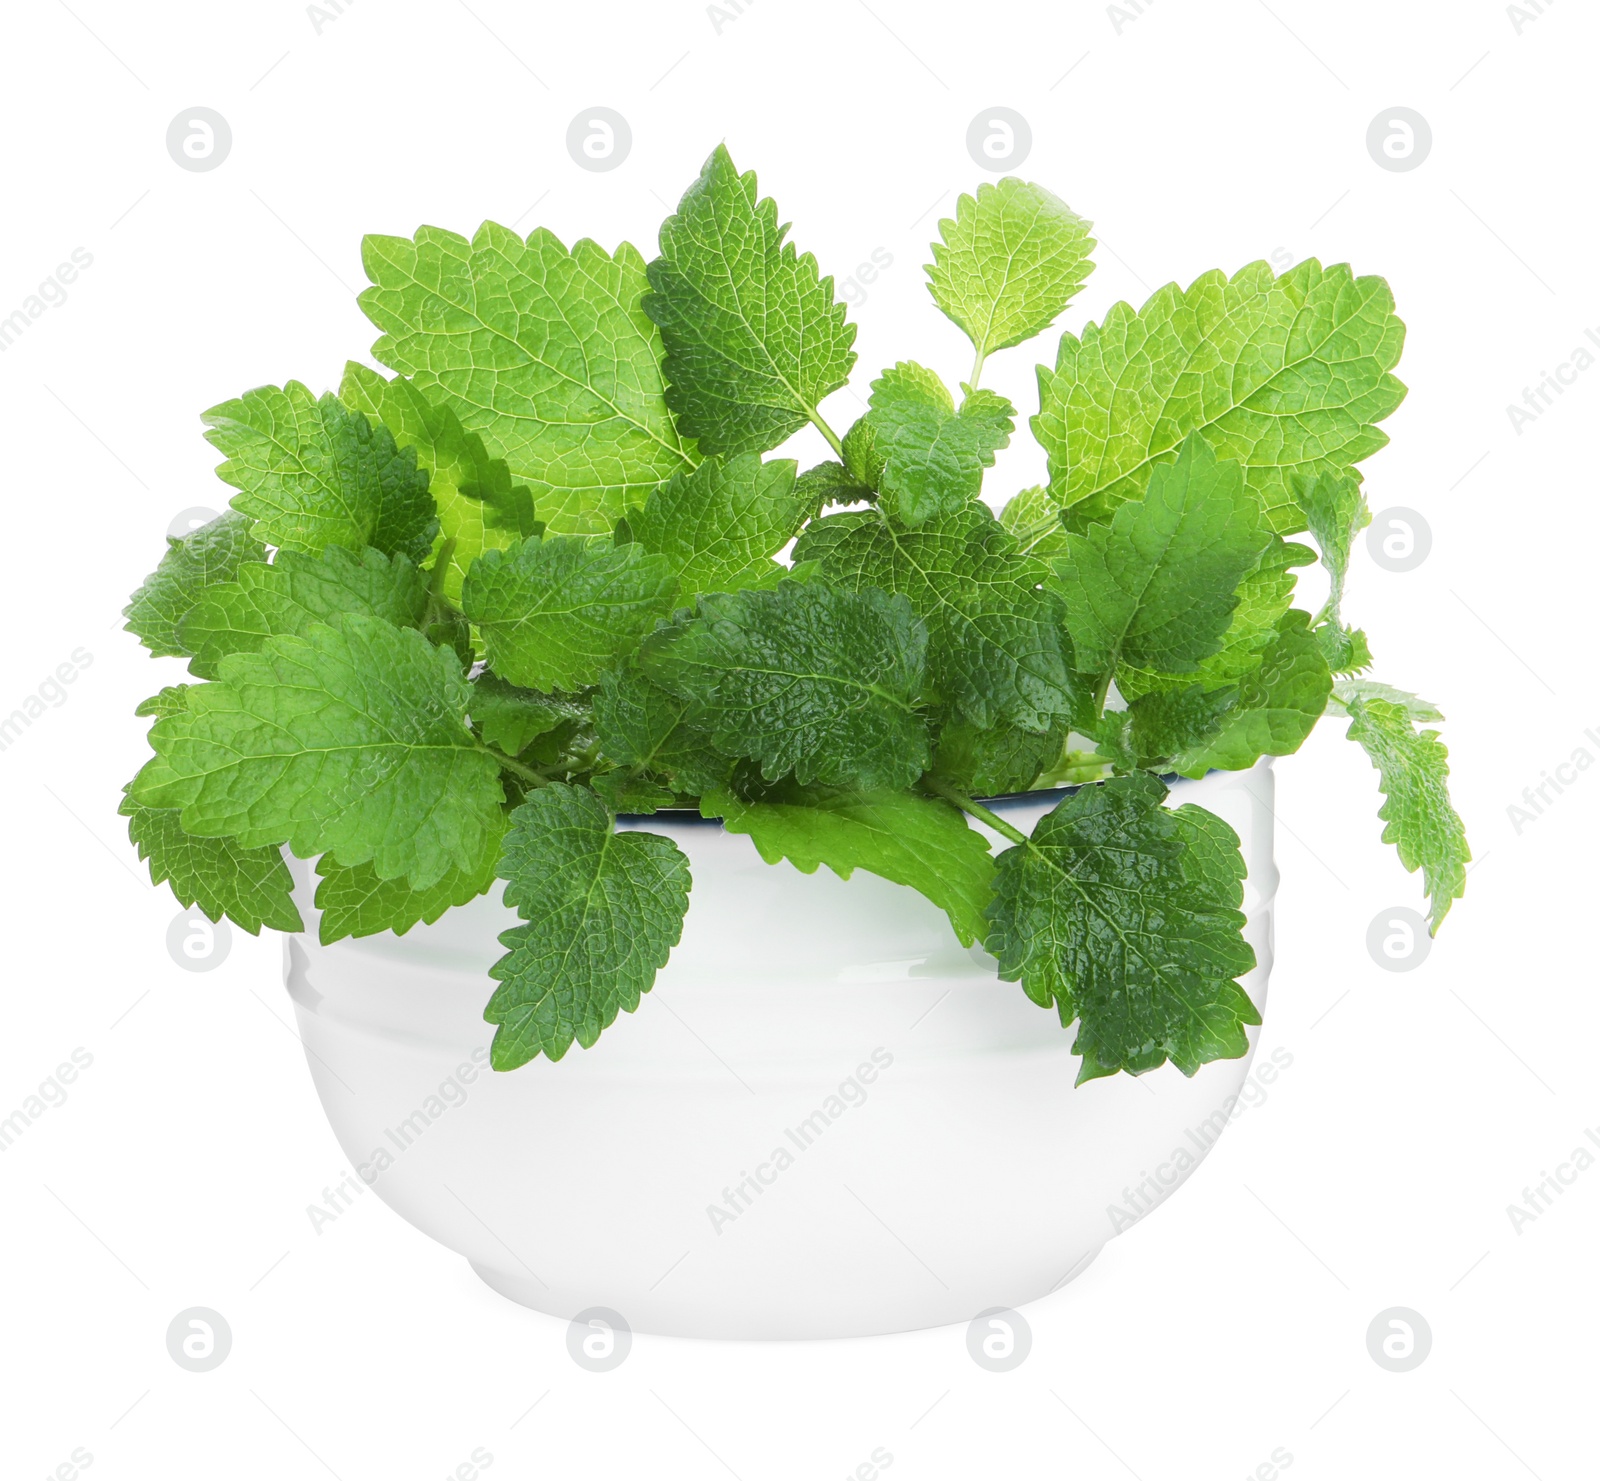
456, 621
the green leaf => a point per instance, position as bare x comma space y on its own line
557, 613
1126, 916
1335, 512
1156, 588
804, 679
1289, 376
830, 483
603, 911
994, 638
203, 558
754, 339
171, 700
544, 352
480, 507
1347, 691
1264, 597
628, 795
351, 741
313, 473
1171, 723
644, 728
1278, 705
251, 886
720, 526
355, 901
1032, 518
1413, 772
913, 841
921, 454
512, 718
1344, 648
1008, 263
296, 590
997, 761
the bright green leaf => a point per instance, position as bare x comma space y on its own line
830, 483
1344, 648
1170, 722
354, 901
1289, 376
557, 613
1277, 705
1335, 512
203, 558
251, 886
720, 526
997, 761
1031, 517
1264, 596
351, 741
1413, 772
1008, 263
171, 700
512, 718
1156, 588
628, 795
480, 507
1347, 691
922, 455
914, 841
542, 351
645, 728
603, 910
312, 473
296, 590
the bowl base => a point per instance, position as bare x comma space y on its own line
535, 1297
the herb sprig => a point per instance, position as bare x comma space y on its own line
456, 621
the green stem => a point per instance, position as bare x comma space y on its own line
1101, 689
958, 798
441, 564
828, 432
516, 768
437, 606
977, 369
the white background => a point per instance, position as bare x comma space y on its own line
1232, 1322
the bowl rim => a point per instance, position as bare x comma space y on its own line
999, 802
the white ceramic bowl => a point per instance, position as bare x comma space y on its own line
827, 1119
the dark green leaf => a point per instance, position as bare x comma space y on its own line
804, 679
1125, 916
994, 638
754, 339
